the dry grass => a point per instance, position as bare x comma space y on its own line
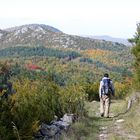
88, 128
132, 123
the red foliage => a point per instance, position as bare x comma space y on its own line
33, 67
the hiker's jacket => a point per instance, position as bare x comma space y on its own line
101, 85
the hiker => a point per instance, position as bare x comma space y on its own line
106, 89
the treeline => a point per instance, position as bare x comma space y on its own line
37, 51
118, 69
67, 55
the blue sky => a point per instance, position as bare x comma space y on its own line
116, 18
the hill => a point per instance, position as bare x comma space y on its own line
54, 73
47, 36
39, 40
112, 39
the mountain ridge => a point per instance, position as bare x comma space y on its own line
110, 38
33, 27
48, 36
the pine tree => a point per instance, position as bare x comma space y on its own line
136, 51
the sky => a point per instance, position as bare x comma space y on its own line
116, 18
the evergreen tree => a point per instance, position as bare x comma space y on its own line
136, 52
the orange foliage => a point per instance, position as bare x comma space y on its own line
101, 55
98, 52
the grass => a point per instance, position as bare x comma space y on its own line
132, 118
130, 126
88, 128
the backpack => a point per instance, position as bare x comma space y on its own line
106, 88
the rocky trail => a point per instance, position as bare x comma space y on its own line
94, 127
116, 131
113, 128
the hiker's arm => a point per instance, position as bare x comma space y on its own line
101, 84
113, 89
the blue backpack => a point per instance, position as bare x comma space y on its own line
106, 88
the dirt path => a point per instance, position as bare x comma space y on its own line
116, 131
117, 127
113, 128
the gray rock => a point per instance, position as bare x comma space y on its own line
55, 129
69, 118
62, 124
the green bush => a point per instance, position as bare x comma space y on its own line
33, 103
92, 91
36, 102
72, 99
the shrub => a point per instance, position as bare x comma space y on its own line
122, 88
33, 103
72, 99
36, 102
92, 91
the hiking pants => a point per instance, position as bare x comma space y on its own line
105, 105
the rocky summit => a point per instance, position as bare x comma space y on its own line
48, 36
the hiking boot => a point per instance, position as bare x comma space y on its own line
102, 115
106, 116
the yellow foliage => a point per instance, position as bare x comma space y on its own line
35, 126
72, 98
122, 88
101, 55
